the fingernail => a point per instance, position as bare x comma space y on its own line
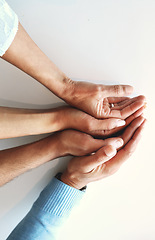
145, 105
120, 123
144, 124
110, 151
118, 143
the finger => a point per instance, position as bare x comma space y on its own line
117, 90
128, 133
91, 145
99, 127
135, 115
113, 131
111, 166
115, 142
127, 111
128, 121
132, 144
89, 163
118, 99
102, 127
124, 104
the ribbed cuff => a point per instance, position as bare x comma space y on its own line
58, 198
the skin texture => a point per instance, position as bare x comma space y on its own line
16, 122
21, 122
92, 113
106, 161
16, 161
94, 99
104, 127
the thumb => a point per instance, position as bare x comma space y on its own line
118, 90
101, 156
108, 124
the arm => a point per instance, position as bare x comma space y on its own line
20, 122
18, 160
15, 161
16, 122
27, 56
20, 50
52, 208
48, 213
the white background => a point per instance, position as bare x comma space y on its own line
111, 42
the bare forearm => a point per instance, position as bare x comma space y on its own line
20, 122
15, 161
90, 98
26, 55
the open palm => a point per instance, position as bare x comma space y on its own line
102, 101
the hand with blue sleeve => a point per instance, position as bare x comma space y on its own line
52, 208
106, 161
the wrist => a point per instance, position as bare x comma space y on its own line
59, 175
66, 117
72, 180
60, 84
68, 90
54, 120
55, 147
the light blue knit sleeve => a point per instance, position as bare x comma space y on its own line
48, 213
8, 26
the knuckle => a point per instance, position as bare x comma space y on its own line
85, 142
99, 91
89, 125
110, 124
106, 133
117, 89
99, 88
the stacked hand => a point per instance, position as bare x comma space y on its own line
82, 127
76, 119
97, 110
107, 160
104, 112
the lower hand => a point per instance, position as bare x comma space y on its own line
72, 142
106, 161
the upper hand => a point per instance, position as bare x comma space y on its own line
96, 99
